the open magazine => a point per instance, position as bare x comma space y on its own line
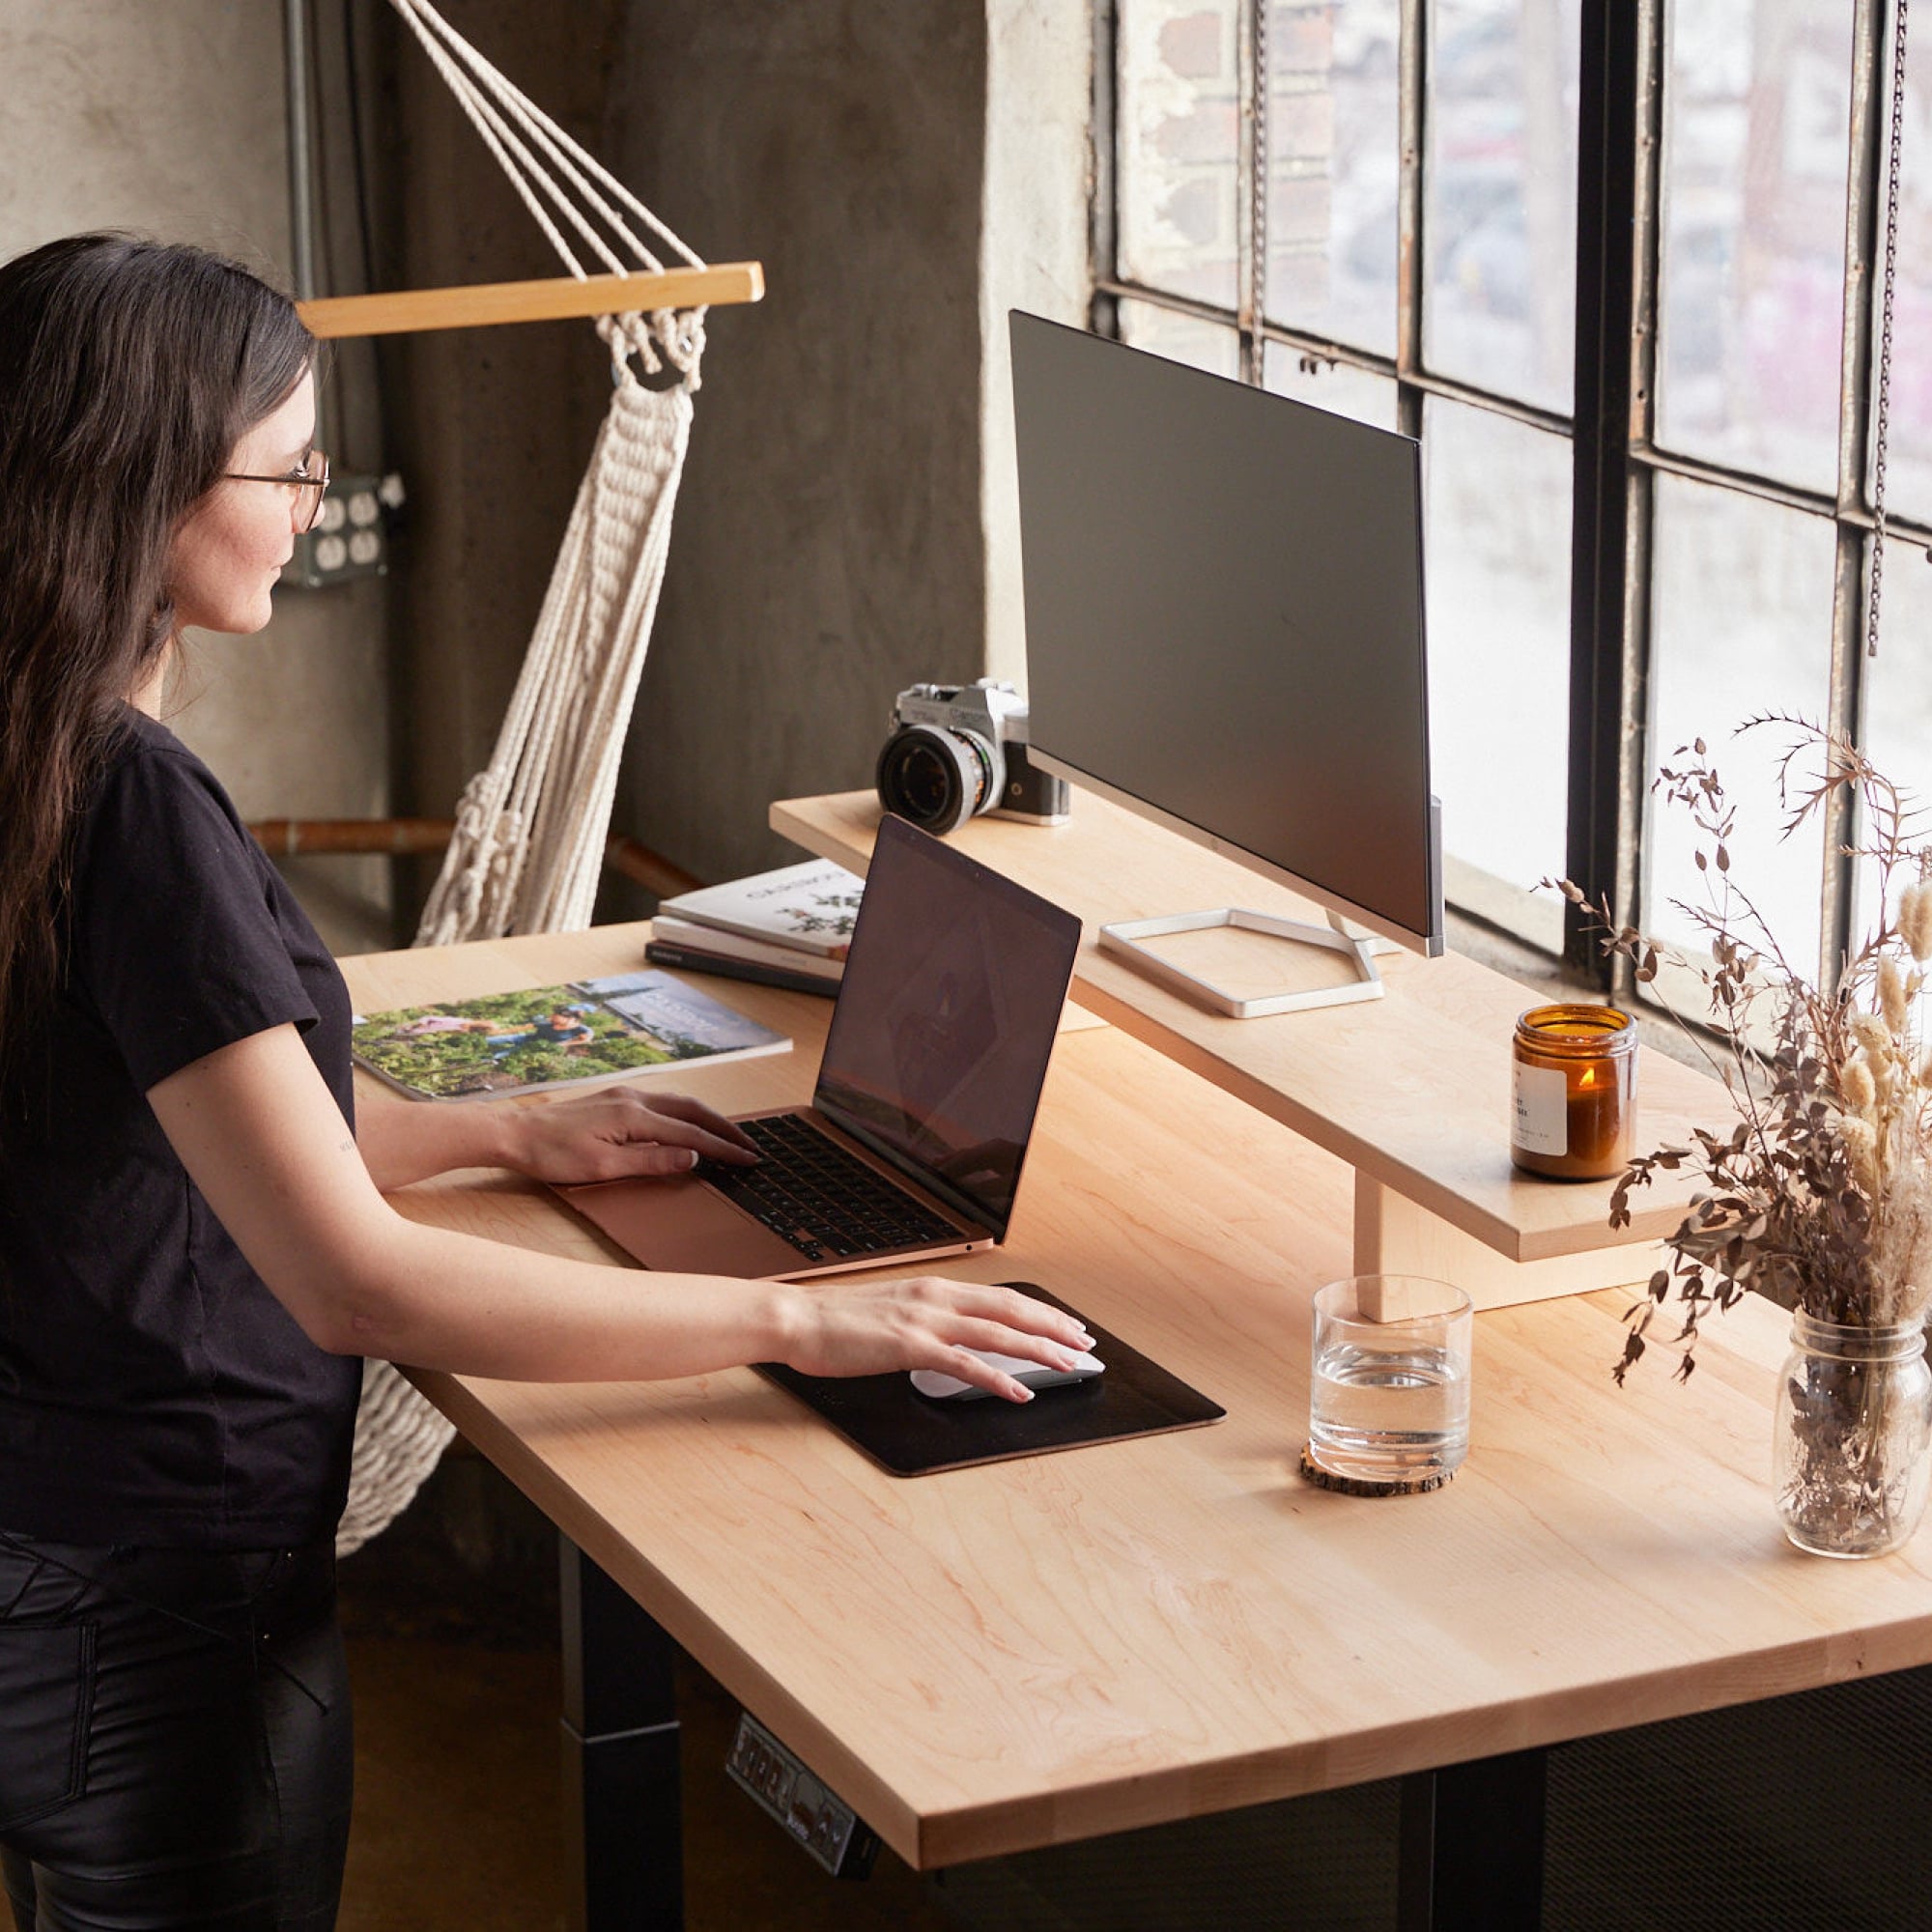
554, 1037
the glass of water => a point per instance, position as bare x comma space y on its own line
1389, 1394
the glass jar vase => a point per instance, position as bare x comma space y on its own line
1849, 1439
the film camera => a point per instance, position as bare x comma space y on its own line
959, 750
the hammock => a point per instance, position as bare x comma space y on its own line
531, 827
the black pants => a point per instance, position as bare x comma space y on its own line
174, 1739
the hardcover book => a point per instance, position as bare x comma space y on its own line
554, 1037
689, 959
688, 936
810, 908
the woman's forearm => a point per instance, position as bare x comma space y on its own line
610, 1134
401, 1141
436, 1300
253, 1125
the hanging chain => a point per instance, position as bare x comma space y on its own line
1258, 189
1884, 406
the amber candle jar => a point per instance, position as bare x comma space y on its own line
1575, 1091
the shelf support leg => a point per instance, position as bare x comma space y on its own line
1397, 1235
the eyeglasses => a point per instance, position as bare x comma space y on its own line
305, 503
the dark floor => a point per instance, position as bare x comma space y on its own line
1804, 1814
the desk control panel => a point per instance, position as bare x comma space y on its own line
782, 1785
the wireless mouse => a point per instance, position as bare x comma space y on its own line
1033, 1374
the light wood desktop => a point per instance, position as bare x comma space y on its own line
1038, 1651
1412, 1089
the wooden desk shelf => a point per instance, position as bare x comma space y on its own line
1412, 1090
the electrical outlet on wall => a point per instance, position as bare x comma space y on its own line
350, 537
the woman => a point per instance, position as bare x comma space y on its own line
195, 1251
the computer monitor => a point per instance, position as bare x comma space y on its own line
1225, 633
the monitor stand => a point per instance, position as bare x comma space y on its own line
1122, 940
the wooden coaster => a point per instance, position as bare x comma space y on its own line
1360, 1486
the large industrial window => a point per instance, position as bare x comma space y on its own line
1616, 265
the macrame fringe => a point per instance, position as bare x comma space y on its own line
531, 825
399, 1438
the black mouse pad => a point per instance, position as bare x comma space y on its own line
907, 1433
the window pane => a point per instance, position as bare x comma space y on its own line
1757, 105
1500, 197
1499, 613
1899, 702
1335, 386
1332, 141
1182, 338
1180, 114
1909, 459
1741, 624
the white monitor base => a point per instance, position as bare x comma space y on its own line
1123, 942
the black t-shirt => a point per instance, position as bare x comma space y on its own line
152, 1391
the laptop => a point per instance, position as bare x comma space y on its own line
918, 1128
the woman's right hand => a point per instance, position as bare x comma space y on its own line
865, 1328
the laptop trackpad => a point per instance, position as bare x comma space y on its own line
679, 1226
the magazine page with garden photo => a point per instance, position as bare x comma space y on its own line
554, 1035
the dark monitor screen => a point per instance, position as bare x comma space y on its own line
1223, 618
945, 1019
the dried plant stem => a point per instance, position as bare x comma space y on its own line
1821, 1190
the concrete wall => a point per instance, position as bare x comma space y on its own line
848, 521
169, 120
827, 550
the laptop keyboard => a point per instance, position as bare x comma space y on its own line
827, 1204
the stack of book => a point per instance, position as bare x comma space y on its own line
784, 928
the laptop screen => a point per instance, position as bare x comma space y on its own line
946, 1018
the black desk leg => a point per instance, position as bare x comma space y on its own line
624, 1848
1472, 1846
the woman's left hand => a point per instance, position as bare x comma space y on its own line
617, 1133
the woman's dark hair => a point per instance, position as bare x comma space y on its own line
129, 371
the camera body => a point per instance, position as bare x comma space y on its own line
959, 750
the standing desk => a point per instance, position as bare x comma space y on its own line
1034, 1652
1412, 1090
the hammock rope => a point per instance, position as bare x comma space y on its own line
531, 827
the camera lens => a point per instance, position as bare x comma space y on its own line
936, 779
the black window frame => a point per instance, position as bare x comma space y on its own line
1613, 425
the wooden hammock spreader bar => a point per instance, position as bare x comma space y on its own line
483, 303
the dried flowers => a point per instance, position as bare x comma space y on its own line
1820, 1193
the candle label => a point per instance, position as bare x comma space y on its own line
1541, 1110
